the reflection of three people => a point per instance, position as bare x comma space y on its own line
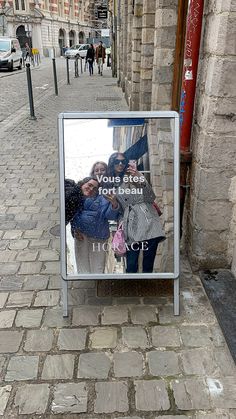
141, 223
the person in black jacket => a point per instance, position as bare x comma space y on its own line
90, 58
73, 199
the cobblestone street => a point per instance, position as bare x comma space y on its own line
14, 85
112, 358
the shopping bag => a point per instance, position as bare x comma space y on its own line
118, 241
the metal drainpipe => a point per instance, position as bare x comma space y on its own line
188, 88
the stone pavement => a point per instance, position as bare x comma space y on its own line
112, 358
13, 85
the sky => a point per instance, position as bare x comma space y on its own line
85, 142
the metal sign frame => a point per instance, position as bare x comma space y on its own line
174, 116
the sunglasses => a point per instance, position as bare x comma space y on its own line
118, 161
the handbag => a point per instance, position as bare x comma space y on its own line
118, 241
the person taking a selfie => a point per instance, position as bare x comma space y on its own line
141, 222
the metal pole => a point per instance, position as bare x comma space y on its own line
67, 70
30, 92
188, 88
190, 65
76, 67
55, 75
81, 65
179, 53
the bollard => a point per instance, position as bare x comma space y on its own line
81, 65
76, 67
67, 70
30, 91
55, 75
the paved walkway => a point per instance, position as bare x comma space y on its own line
13, 85
112, 358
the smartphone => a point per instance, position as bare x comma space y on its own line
133, 164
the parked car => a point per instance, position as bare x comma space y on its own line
10, 53
77, 50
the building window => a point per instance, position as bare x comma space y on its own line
20, 5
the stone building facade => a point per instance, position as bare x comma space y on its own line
146, 43
48, 24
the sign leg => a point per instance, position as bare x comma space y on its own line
64, 297
176, 296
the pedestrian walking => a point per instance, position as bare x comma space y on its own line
64, 49
90, 58
28, 51
100, 57
108, 53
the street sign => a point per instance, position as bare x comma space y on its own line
102, 12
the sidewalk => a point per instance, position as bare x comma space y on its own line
112, 358
14, 91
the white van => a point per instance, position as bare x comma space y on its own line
10, 53
77, 50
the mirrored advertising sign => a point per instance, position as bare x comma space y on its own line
119, 195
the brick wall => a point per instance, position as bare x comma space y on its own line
136, 54
164, 50
210, 221
147, 85
147, 50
